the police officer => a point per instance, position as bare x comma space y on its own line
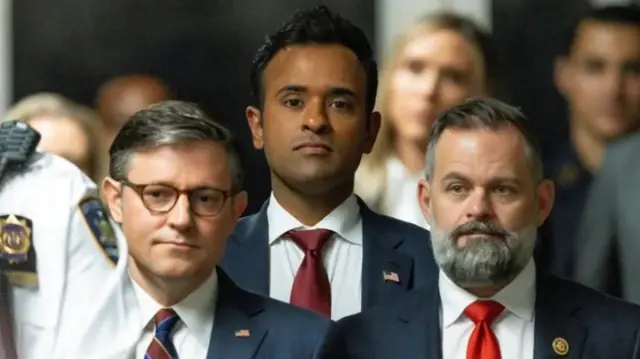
57, 247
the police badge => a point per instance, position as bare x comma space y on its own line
17, 255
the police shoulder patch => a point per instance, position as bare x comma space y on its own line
96, 218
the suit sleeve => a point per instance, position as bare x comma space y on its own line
87, 265
596, 239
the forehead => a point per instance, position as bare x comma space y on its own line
482, 152
607, 39
446, 47
316, 67
188, 164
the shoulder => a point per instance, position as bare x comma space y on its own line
407, 307
52, 175
245, 225
371, 217
409, 232
625, 144
622, 153
293, 317
600, 307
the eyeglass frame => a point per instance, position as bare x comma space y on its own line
139, 189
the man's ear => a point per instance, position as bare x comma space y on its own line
112, 196
372, 131
424, 199
254, 119
546, 197
240, 201
562, 75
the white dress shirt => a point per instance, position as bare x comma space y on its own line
401, 195
192, 332
514, 328
342, 255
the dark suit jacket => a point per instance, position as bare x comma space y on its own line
276, 329
389, 245
246, 325
595, 326
607, 244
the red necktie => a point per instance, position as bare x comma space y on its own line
483, 344
311, 289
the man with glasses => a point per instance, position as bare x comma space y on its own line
175, 187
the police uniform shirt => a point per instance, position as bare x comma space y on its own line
57, 247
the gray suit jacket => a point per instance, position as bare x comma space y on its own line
608, 240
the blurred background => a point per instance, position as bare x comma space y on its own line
202, 50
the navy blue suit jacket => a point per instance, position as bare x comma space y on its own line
389, 245
594, 325
273, 329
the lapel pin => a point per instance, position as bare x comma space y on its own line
560, 346
390, 277
242, 333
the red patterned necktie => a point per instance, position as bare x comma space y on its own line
162, 347
311, 289
483, 343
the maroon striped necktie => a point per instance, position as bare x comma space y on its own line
162, 346
311, 289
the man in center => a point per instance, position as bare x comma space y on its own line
314, 243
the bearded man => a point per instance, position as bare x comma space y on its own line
484, 196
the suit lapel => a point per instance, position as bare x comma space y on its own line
234, 334
559, 333
386, 273
419, 335
249, 245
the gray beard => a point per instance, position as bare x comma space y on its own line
485, 259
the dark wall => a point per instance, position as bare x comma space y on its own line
201, 48
529, 34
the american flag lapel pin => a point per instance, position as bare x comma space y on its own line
242, 333
390, 277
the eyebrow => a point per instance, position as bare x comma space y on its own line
335, 91
500, 179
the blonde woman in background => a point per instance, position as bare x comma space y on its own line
438, 62
68, 129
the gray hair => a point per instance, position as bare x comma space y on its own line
171, 123
486, 114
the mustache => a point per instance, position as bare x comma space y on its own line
479, 227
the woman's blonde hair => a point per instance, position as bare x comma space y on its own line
371, 175
57, 106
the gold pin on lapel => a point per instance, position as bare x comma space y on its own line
242, 333
560, 346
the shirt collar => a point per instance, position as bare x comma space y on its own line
196, 311
518, 297
342, 220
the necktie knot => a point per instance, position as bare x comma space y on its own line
312, 240
484, 311
165, 320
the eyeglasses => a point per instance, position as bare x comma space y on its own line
161, 198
